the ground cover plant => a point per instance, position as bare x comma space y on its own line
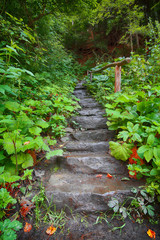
134, 113
35, 102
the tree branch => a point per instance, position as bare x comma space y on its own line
121, 63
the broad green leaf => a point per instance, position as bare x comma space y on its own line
45, 147
148, 154
109, 105
69, 108
13, 106
151, 139
130, 126
120, 151
9, 146
9, 235
35, 130
5, 198
135, 128
23, 158
143, 149
124, 135
42, 123
156, 152
28, 161
7, 177
58, 152
155, 172
16, 225
150, 210
136, 137
157, 162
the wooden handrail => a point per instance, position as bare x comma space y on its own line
117, 66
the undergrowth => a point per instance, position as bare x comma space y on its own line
37, 78
134, 112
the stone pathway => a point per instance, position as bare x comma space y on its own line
76, 184
76, 187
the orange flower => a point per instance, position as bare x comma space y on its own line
109, 175
51, 230
151, 234
27, 227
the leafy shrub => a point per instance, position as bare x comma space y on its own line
134, 113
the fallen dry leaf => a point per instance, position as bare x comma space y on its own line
26, 143
99, 176
151, 234
51, 230
26, 207
27, 227
109, 175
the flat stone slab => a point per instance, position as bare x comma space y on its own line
92, 111
87, 146
86, 104
80, 85
88, 100
93, 163
80, 93
93, 135
91, 122
86, 192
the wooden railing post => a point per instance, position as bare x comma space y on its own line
117, 66
91, 76
117, 79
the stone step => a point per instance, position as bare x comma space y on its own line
86, 104
92, 135
84, 192
73, 146
81, 93
92, 111
91, 122
80, 86
87, 99
93, 163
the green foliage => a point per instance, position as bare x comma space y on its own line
25, 159
32, 104
49, 213
120, 151
5, 199
140, 204
8, 229
134, 113
58, 152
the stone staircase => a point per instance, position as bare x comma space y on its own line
81, 181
